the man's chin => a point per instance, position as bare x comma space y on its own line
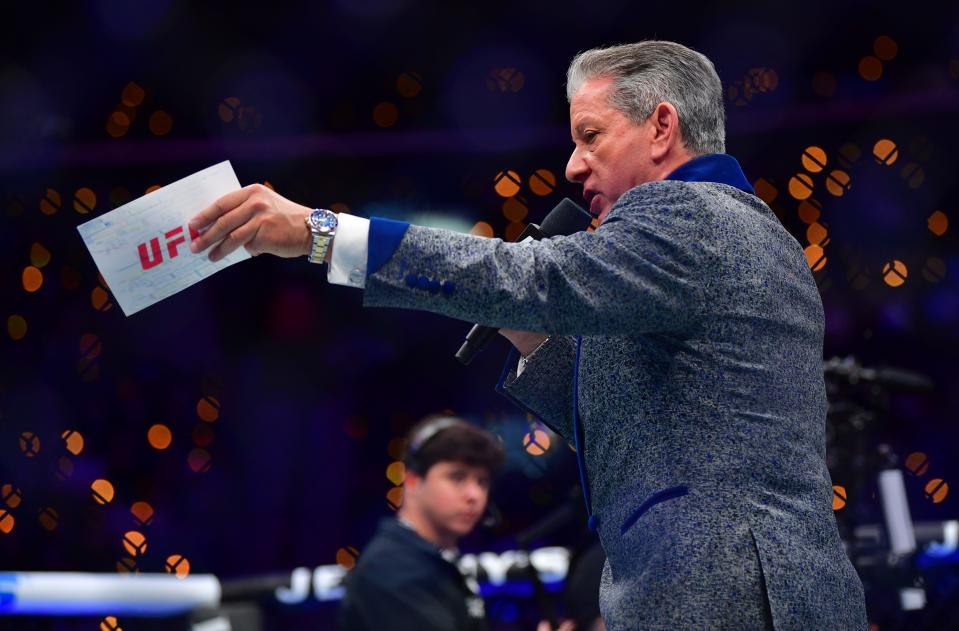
603, 213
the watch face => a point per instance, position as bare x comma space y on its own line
323, 220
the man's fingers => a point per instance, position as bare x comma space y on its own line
220, 207
239, 237
224, 225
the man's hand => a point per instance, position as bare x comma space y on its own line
565, 625
524, 341
254, 217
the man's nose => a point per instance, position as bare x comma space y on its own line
475, 492
576, 169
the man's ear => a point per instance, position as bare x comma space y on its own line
412, 480
665, 133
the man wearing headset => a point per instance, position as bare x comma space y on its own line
407, 577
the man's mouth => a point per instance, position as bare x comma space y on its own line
588, 197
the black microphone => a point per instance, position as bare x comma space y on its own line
567, 218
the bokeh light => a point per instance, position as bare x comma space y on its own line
110, 623
505, 80
73, 441
203, 435
208, 409
16, 327
838, 183
870, 68
809, 210
228, 109
800, 186
396, 473
7, 521
178, 565
482, 229
39, 255
934, 270
895, 273
507, 183
815, 257
84, 200
513, 230
816, 234
536, 442
132, 95
515, 208
29, 444
161, 123
838, 497
394, 498
11, 495
542, 182
913, 174
766, 190
885, 151
396, 448
385, 114
917, 463
135, 543
127, 565
814, 159
102, 491
49, 518
142, 513
50, 202
100, 299
409, 84
199, 460
32, 279
159, 436
936, 490
885, 48
346, 557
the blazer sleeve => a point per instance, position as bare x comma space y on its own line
545, 389
638, 272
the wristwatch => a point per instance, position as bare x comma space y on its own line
322, 224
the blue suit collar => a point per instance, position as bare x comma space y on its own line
721, 168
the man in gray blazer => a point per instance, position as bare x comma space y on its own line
678, 347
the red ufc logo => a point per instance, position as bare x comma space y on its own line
173, 238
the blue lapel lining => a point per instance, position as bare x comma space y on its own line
579, 439
720, 168
652, 500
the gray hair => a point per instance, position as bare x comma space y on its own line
647, 73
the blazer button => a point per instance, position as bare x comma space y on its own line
449, 287
411, 280
423, 282
592, 523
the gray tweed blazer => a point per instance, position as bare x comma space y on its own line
684, 364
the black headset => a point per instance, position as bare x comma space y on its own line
422, 436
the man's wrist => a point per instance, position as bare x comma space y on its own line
308, 238
322, 225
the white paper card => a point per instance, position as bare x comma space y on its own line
142, 248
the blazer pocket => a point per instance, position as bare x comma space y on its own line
656, 498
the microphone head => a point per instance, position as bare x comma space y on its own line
567, 218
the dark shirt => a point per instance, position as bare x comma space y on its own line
403, 582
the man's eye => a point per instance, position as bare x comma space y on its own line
589, 136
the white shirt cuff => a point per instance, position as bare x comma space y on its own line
350, 249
